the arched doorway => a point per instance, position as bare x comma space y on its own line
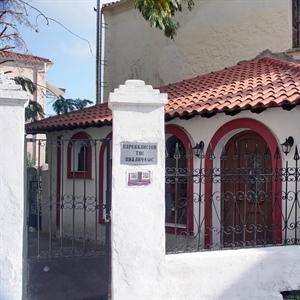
214, 209
246, 171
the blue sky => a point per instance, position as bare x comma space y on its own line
74, 59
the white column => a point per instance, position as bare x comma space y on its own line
138, 211
12, 100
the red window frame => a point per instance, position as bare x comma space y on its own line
80, 174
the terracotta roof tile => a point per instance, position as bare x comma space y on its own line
252, 85
94, 116
255, 84
111, 3
20, 56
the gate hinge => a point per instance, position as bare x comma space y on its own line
107, 218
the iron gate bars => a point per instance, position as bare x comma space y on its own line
245, 200
69, 219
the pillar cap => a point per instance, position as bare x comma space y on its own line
136, 92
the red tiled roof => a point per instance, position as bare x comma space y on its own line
20, 56
111, 3
94, 116
253, 85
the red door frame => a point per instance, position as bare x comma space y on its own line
262, 130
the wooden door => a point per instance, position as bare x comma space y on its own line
246, 202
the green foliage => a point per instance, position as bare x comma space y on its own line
30, 162
26, 84
160, 13
64, 106
34, 111
291, 295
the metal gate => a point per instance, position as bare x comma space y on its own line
68, 224
242, 198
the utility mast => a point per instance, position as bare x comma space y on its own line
99, 53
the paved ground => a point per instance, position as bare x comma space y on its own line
68, 278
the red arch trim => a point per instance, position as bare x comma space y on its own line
181, 134
246, 123
262, 130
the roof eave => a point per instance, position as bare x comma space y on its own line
49, 129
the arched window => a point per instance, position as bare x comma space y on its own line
178, 181
80, 156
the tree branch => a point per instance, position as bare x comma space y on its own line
47, 19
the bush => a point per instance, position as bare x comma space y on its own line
30, 163
291, 295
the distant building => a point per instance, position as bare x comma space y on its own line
34, 68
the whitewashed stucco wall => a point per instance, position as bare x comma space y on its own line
233, 274
281, 123
140, 272
12, 101
137, 211
214, 35
68, 186
93, 133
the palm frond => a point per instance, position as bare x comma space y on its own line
34, 111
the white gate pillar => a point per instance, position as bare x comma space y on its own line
12, 100
138, 184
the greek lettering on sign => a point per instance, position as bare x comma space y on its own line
138, 153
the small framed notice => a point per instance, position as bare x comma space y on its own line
138, 178
138, 153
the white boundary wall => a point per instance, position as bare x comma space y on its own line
140, 269
137, 211
12, 100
